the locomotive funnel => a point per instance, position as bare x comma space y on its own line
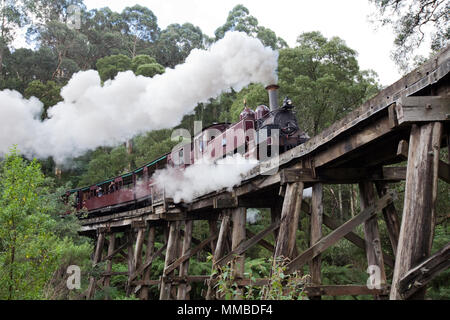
273, 96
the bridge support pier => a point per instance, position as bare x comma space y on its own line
417, 228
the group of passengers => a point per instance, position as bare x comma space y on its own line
111, 188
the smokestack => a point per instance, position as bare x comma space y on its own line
273, 96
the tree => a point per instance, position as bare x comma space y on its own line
176, 43
149, 70
49, 93
109, 67
30, 249
13, 15
25, 65
411, 20
323, 79
70, 46
239, 19
140, 25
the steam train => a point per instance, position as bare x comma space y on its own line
135, 189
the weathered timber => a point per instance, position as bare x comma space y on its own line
316, 229
390, 217
150, 249
171, 252
263, 243
337, 234
148, 262
96, 259
116, 251
189, 253
130, 260
107, 278
218, 253
422, 109
344, 175
247, 244
333, 224
138, 248
239, 219
374, 252
418, 220
289, 220
184, 267
422, 274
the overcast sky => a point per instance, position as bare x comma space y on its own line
347, 19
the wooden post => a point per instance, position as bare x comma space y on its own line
316, 231
213, 230
171, 255
390, 217
218, 253
107, 279
95, 260
148, 253
371, 234
289, 220
417, 229
275, 215
239, 219
183, 287
130, 260
138, 248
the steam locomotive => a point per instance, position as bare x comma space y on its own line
255, 128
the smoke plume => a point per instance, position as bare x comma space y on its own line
93, 115
203, 177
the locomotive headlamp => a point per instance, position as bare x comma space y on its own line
287, 103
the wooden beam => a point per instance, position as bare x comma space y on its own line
107, 278
262, 242
189, 253
422, 274
289, 220
148, 262
344, 175
96, 259
184, 267
419, 210
316, 230
171, 253
333, 224
423, 109
390, 217
337, 234
150, 249
218, 253
239, 220
372, 235
244, 246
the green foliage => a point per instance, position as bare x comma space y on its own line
48, 93
150, 70
30, 250
109, 67
140, 60
323, 79
239, 19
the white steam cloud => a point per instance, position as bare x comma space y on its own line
203, 177
94, 115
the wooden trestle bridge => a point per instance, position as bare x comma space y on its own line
408, 121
